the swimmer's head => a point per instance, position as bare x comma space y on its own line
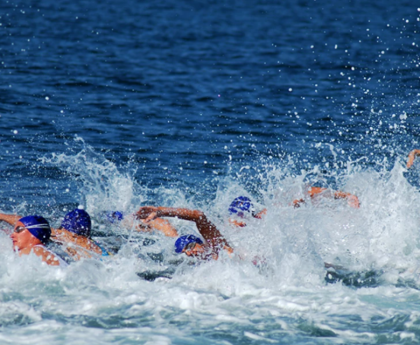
186, 240
77, 221
113, 216
241, 206
37, 226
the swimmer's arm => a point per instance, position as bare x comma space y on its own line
311, 192
315, 191
64, 236
411, 157
158, 224
205, 227
352, 200
11, 219
260, 214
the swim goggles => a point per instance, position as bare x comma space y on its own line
189, 246
19, 229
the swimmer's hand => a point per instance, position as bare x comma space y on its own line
237, 223
296, 203
148, 213
260, 214
411, 157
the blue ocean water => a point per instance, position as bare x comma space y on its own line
113, 105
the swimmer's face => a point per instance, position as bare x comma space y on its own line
241, 217
238, 219
22, 238
194, 249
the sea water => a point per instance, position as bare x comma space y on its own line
116, 105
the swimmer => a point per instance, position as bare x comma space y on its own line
30, 235
242, 207
129, 221
411, 157
73, 235
352, 200
190, 244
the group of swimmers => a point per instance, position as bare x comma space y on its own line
33, 233
72, 240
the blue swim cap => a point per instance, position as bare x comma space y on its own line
240, 205
38, 227
77, 221
182, 241
112, 216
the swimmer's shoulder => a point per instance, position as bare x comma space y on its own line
48, 256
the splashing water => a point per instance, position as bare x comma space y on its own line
284, 298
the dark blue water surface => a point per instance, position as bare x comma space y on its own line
183, 93
177, 83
